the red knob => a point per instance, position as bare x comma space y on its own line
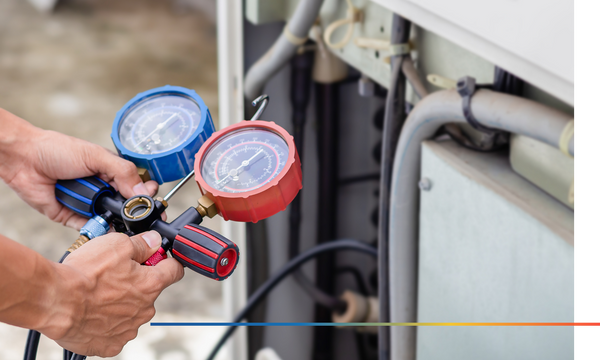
157, 257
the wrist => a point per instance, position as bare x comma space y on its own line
16, 139
63, 303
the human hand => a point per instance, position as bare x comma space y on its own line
108, 294
32, 160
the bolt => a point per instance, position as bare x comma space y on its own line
425, 184
224, 261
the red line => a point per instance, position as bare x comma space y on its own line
206, 234
196, 246
203, 267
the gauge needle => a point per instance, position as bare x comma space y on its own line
158, 127
234, 172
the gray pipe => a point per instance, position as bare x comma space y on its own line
282, 50
494, 110
410, 72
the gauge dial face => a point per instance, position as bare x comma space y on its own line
244, 160
159, 123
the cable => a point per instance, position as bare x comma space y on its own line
67, 354
393, 119
290, 267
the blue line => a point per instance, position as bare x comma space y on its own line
102, 181
255, 324
74, 209
87, 184
74, 194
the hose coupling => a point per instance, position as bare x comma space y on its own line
95, 227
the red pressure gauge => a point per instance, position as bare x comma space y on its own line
251, 170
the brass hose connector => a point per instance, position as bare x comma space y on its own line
82, 239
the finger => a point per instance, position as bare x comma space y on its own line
152, 187
145, 245
123, 172
76, 222
169, 271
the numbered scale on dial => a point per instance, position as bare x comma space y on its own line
251, 170
161, 130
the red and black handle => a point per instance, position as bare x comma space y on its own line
206, 252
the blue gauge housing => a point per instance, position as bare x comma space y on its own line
175, 163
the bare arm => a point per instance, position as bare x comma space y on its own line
32, 159
95, 301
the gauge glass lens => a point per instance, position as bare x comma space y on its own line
159, 123
244, 160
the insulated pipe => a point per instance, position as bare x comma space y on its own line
283, 49
410, 72
492, 109
393, 119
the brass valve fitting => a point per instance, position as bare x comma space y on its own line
207, 207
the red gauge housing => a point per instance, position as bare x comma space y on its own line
257, 204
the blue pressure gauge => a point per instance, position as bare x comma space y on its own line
162, 130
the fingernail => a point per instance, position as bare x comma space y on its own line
141, 189
152, 238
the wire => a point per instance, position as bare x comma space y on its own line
289, 268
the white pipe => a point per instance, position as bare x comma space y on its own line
494, 110
283, 49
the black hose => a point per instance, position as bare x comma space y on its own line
393, 119
33, 340
300, 96
67, 354
290, 267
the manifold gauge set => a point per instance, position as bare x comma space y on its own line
245, 172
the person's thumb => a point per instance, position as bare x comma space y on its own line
145, 245
124, 173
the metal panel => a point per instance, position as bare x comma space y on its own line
493, 248
532, 39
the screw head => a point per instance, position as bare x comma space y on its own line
425, 184
224, 261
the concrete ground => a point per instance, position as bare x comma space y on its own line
71, 71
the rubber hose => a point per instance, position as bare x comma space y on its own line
289, 268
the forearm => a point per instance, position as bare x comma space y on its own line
29, 287
17, 138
